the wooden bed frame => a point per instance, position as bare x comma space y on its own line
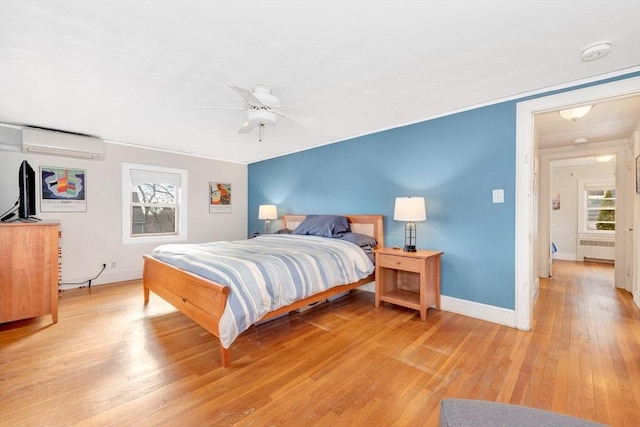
204, 301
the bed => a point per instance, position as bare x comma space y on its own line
207, 301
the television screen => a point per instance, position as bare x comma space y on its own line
27, 182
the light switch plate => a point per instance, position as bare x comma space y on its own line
498, 196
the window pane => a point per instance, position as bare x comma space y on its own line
600, 209
601, 219
154, 193
596, 203
153, 220
601, 215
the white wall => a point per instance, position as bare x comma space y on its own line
564, 221
92, 238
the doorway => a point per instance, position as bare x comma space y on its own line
531, 195
582, 216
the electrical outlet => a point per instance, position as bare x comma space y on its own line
113, 264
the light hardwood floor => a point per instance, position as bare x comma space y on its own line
112, 361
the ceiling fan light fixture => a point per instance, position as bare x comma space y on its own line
576, 113
605, 158
595, 51
259, 117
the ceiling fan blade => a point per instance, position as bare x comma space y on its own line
305, 122
248, 96
246, 128
196, 107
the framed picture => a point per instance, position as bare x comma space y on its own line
63, 189
555, 201
638, 174
219, 197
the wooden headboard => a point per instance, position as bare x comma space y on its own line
371, 225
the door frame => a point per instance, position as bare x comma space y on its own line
525, 256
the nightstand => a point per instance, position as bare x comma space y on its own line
409, 279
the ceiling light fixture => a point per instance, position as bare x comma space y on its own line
595, 51
580, 140
574, 114
605, 158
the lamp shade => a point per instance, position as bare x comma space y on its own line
267, 212
410, 209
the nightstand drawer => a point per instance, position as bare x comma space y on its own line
399, 262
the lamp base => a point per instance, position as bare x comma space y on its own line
410, 248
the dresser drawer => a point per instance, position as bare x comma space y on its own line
399, 262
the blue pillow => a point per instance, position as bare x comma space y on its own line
361, 240
323, 225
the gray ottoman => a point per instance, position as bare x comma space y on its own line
476, 413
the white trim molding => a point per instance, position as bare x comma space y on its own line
490, 313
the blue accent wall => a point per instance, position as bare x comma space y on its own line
454, 162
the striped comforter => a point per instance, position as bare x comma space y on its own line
268, 272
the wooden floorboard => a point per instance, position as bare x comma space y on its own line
113, 361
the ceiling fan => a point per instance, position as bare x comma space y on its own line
262, 108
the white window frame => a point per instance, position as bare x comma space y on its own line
583, 186
182, 208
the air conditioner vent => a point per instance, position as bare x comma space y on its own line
597, 243
58, 143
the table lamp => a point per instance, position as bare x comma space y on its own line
410, 209
267, 212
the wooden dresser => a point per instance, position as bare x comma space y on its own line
28, 270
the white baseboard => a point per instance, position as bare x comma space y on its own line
119, 276
566, 256
105, 278
490, 313
476, 310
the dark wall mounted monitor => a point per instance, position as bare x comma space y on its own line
27, 183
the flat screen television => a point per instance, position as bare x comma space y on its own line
27, 183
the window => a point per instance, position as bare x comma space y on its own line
154, 207
599, 208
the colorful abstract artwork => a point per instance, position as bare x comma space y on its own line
63, 190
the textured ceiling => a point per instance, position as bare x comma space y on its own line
130, 71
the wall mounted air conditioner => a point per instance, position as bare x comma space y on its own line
58, 143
